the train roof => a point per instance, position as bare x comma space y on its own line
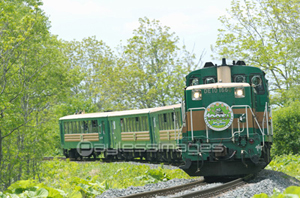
240, 68
119, 113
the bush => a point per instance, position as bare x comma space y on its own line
286, 121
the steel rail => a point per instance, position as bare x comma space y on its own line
51, 158
210, 192
166, 191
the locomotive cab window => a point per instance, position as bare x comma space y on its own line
209, 80
257, 83
239, 78
194, 81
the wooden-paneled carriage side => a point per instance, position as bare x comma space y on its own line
148, 134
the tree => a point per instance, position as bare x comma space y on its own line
147, 72
33, 77
264, 33
96, 63
152, 67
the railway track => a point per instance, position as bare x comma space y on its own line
214, 191
71, 159
167, 191
208, 192
51, 158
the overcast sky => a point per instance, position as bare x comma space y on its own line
195, 22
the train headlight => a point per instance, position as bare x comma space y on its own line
239, 92
196, 95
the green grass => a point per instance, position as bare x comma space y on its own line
71, 179
60, 179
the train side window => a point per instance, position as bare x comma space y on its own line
79, 127
131, 124
209, 80
240, 78
137, 124
85, 127
126, 124
112, 127
74, 127
89, 126
103, 126
66, 128
70, 127
99, 127
161, 121
256, 82
165, 117
122, 124
146, 123
94, 126
166, 121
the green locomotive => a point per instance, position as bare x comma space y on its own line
227, 128
147, 134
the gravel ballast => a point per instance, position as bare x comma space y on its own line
264, 182
139, 189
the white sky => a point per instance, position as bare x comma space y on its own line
195, 22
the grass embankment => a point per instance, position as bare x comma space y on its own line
60, 179
70, 179
290, 165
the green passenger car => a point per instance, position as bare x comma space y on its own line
147, 134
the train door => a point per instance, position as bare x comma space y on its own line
102, 130
151, 130
114, 125
155, 130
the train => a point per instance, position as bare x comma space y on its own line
222, 128
146, 134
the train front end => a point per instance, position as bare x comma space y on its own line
227, 127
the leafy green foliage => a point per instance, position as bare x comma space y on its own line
264, 33
288, 164
292, 191
152, 67
147, 72
33, 79
286, 121
71, 179
96, 63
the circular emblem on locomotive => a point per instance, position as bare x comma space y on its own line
218, 116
